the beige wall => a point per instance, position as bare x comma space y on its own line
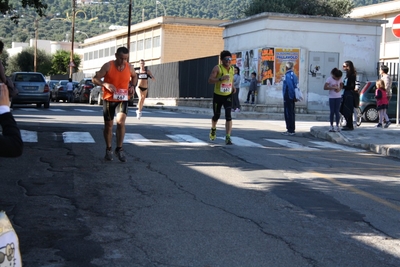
182, 42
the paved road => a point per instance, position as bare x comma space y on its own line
268, 200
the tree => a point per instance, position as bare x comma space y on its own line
60, 62
8, 9
331, 8
24, 61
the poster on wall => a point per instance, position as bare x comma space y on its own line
250, 63
283, 55
266, 66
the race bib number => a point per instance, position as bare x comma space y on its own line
121, 95
226, 87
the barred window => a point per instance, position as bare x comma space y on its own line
156, 41
140, 45
147, 43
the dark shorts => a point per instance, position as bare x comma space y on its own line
382, 107
110, 108
142, 88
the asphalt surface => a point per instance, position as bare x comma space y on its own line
382, 141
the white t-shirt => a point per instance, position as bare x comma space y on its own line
334, 83
70, 86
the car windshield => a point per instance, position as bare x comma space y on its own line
29, 77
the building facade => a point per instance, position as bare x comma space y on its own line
387, 11
265, 42
159, 40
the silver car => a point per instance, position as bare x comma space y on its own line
32, 89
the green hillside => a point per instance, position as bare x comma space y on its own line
96, 18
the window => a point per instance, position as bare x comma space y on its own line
147, 43
106, 52
112, 50
133, 46
101, 53
86, 56
389, 35
90, 55
96, 54
140, 45
156, 41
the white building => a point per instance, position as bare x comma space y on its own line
390, 44
264, 42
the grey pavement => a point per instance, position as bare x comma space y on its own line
384, 141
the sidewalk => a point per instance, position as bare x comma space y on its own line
378, 140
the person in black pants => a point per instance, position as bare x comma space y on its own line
11, 144
348, 103
252, 88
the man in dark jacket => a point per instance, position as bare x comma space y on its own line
289, 98
11, 144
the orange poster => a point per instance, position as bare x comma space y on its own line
283, 55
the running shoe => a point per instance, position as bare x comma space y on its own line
213, 134
237, 110
337, 129
331, 129
120, 154
379, 125
138, 114
108, 155
387, 124
228, 140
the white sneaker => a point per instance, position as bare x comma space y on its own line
138, 114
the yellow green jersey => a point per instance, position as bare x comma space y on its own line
224, 87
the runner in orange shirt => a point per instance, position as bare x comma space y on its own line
119, 82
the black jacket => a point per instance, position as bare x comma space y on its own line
11, 144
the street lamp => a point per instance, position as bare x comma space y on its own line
87, 36
159, 3
71, 59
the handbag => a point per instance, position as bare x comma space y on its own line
298, 94
9, 244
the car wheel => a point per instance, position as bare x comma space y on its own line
99, 100
91, 102
371, 114
47, 104
39, 105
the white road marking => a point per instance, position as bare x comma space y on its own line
57, 109
186, 139
29, 136
290, 144
77, 137
29, 109
238, 141
85, 110
134, 138
336, 146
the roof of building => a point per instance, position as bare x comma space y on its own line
286, 16
376, 9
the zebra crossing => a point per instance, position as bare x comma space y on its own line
73, 137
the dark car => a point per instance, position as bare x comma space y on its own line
82, 92
96, 96
59, 91
368, 102
32, 89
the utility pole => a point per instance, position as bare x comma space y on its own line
71, 60
129, 28
36, 40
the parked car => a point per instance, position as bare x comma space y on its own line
368, 102
51, 84
96, 96
32, 89
60, 91
82, 92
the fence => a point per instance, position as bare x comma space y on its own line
393, 69
183, 79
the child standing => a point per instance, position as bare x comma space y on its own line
381, 101
252, 88
334, 85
